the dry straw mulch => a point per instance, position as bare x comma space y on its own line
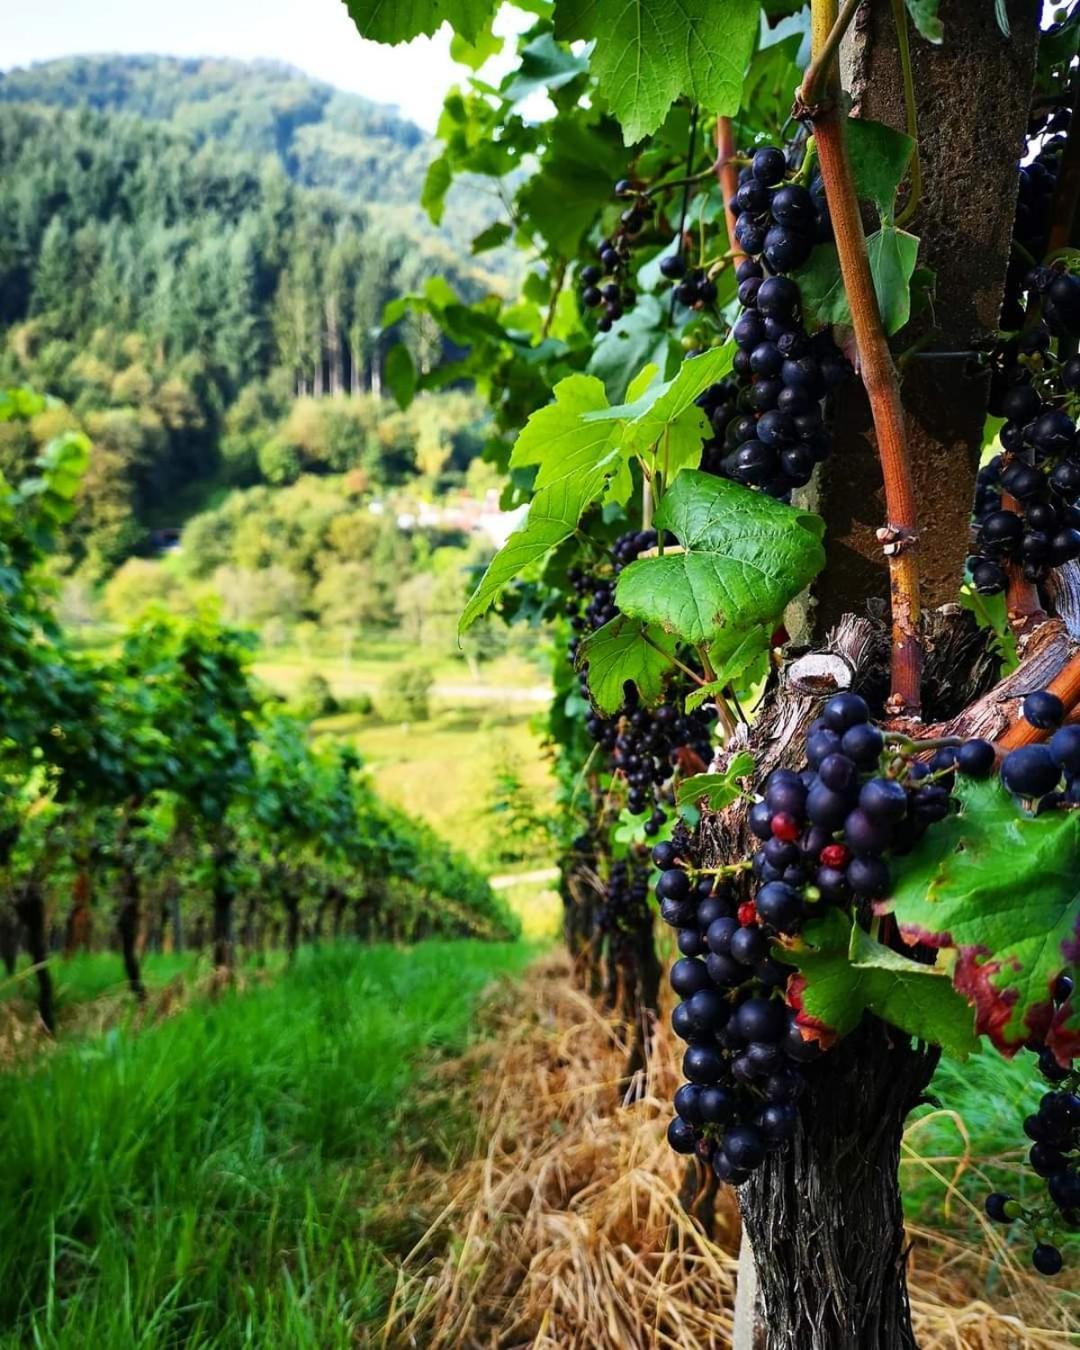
565, 1231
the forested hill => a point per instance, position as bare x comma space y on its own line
185, 248
322, 137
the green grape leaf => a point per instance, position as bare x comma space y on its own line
893, 254
400, 374
1002, 890
843, 973
744, 556
474, 54
671, 420
639, 338
924, 15
663, 422
575, 459
403, 20
1058, 49
650, 52
892, 261
703, 692
642, 382
626, 649
437, 182
542, 64
879, 160
718, 789
630, 830
731, 666
561, 201
497, 233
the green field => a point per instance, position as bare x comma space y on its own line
223, 1178
451, 769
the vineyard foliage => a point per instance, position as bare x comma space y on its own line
664, 385
167, 748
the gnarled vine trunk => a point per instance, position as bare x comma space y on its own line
9, 942
77, 935
127, 922
824, 1215
30, 907
292, 924
223, 895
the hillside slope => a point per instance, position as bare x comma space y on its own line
322, 137
187, 247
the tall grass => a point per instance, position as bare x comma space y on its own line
214, 1180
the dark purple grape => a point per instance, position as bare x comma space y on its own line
681, 1136
1030, 771
1044, 710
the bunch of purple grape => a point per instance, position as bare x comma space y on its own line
1054, 1155
767, 420
1039, 468
768, 430
1035, 386
825, 837
625, 906
778, 220
644, 743
604, 285
1047, 774
1036, 189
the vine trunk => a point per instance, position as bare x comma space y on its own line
824, 1215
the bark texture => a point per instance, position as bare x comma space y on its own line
973, 96
9, 943
30, 907
127, 922
824, 1215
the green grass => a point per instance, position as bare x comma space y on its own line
969, 1141
95, 975
283, 669
975, 1118
214, 1180
95, 982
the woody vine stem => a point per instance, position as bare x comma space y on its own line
819, 102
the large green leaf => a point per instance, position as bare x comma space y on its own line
892, 254
650, 52
1003, 890
437, 182
744, 558
640, 337
575, 459
879, 160
543, 64
400, 374
395, 21
626, 650
663, 424
843, 973
673, 422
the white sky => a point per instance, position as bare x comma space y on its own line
315, 35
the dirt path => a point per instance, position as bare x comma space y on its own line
518, 878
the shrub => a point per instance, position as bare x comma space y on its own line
315, 698
403, 696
